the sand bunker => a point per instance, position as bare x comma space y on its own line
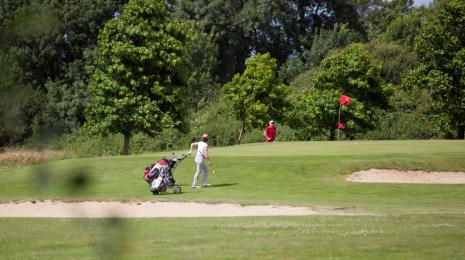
106, 209
396, 176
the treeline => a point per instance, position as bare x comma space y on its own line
91, 75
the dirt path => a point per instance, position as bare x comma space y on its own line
396, 176
94, 209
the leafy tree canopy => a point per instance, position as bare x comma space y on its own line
137, 86
441, 49
379, 14
257, 95
405, 28
201, 60
315, 113
281, 28
394, 60
326, 40
350, 71
44, 45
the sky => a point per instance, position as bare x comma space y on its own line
422, 2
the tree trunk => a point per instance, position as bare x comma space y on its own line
126, 144
461, 132
241, 132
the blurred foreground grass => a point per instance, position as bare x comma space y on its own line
386, 237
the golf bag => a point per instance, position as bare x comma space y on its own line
160, 177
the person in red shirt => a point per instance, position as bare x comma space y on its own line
270, 132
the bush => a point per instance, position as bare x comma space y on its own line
218, 121
86, 145
168, 140
410, 117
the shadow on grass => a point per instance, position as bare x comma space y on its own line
211, 185
222, 185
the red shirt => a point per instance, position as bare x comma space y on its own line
270, 134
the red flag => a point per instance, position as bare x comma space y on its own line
345, 100
341, 126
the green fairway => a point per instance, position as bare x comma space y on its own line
300, 173
408, 221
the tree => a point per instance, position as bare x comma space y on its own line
18, 107
21, 99
44, 43
279, 27
394, 59
201, 59
28, 41
257, 95
326, 40
286, 27
220, 18
412, 114
405, 28
351, 72
441, 49
75, 42
315, 113
7, 8
137, 86
379, 14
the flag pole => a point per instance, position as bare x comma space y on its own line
343, 101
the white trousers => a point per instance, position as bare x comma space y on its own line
201, 166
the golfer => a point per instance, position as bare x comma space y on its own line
270, 132
200, 157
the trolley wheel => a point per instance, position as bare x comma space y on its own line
177, 189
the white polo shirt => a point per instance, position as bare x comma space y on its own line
201, 151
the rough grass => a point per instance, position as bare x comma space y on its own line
21, 157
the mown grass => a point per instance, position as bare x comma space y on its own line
410, 221
388, 237
301, 173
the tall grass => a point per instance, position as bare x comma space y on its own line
18, 156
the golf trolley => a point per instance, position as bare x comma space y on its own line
160, 174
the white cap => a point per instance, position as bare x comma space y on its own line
271, 122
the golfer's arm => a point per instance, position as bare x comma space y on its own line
192, 147
266, 135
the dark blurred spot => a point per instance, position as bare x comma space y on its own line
78, 181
